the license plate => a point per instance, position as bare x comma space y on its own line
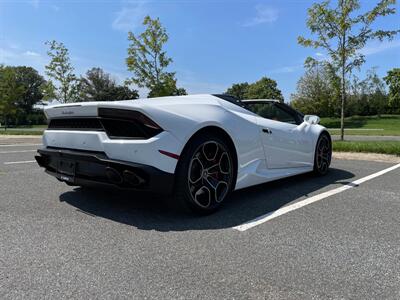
66, 170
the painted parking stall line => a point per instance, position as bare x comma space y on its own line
17, 151
20, 145
284, 210
19, 162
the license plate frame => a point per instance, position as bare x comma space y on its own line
66, 170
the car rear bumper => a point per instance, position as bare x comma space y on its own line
88, 167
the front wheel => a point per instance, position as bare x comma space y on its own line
205, 175
323, 154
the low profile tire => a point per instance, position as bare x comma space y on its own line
204, 175
323, 154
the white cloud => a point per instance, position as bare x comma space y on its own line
378, 47
130, 17
31, 53
15, 57
319, 54
285, 69
264, 14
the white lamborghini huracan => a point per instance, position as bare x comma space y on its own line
198, 147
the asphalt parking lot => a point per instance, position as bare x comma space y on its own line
61, 242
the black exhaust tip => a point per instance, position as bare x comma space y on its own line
42, 160
133, 178
113, 175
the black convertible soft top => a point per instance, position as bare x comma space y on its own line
230, 98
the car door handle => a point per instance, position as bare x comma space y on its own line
267, 130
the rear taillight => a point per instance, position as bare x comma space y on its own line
123, 123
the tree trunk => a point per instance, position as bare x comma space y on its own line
342, 105
5, 122
343, 86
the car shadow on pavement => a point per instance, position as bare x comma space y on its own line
150, 212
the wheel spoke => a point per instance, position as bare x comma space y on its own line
214, 168
210, 173
196, 170
224, 165
221, 190
203, 197
210, 151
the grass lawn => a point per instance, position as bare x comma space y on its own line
385, 147
24, 130
20, 132
370, 125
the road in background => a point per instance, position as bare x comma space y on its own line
367, 137
10, 140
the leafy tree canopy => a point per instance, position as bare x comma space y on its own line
367, 96
316, 92
98, 85
393, 81
238, 90
10, 93
61, 71
265, 88
148, 60
167, 88
31, 82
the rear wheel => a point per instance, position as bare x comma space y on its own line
205, 175
323, 154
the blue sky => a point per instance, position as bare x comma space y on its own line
213, 43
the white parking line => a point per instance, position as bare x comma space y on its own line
20, 145
284, 210
17, 151
19, 162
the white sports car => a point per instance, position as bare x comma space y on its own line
198, 147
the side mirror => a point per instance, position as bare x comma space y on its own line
312, 119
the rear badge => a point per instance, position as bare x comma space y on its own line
66, 178
67, 112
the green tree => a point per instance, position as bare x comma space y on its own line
167, 88
31, 82
148, 60
123, 92
316, 92
10, 93
98, 85
61, 71
48, 90
238, 90
343, 33
366, 97
393, 81
265, 88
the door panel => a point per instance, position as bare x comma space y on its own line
285, 145
286, 138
